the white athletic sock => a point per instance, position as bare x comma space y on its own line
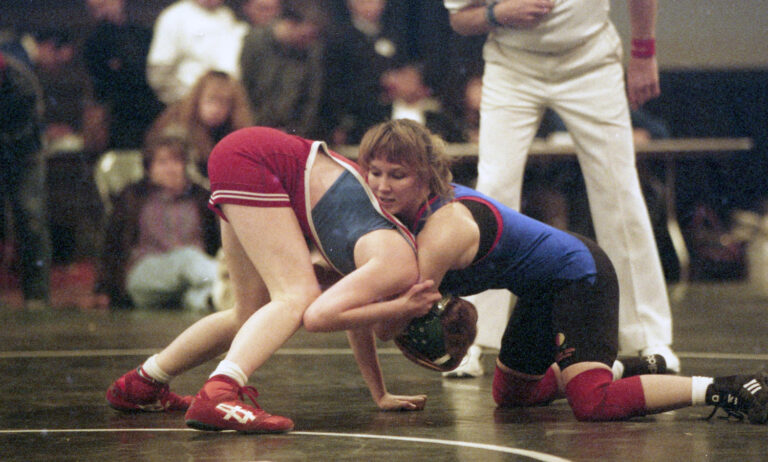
153, 371
232, 370
699, 390
618, 370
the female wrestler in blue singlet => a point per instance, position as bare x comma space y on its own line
562, 337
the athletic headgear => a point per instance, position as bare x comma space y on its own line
440, 339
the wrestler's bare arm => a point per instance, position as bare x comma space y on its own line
449, 241
386, 267
364, 347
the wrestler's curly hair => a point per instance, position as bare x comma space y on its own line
412, 145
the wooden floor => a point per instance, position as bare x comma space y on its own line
56, 365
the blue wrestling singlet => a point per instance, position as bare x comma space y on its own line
342, 216
523, 253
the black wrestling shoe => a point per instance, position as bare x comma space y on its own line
643, 365
740, 396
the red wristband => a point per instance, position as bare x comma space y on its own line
643, 48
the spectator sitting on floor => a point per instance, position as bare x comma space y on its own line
470, 119
161, 238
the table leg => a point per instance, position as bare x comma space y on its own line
675, 233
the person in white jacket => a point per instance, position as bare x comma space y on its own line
190, 38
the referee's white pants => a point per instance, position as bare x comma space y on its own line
586, 88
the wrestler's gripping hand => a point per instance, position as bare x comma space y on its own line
417, 301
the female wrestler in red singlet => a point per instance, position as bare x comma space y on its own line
272, 191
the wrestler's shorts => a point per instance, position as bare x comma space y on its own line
260, 179
565, 322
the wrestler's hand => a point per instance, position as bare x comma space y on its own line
390, 402
418, 300
522, 14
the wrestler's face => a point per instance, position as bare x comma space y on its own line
399, 188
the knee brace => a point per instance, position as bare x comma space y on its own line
513, 391
593, 396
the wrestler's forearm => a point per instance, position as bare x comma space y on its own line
354, 317
364, 348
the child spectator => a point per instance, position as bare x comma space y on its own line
470, 119
161, 237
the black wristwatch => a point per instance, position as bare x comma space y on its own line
490, 16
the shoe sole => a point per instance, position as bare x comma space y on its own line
197, 425
139, 410
462, 375
117, 404
127, 410
758, 419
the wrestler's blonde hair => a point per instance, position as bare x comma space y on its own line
412, 145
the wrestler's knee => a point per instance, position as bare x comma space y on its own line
513, 390
299, 300
594, 396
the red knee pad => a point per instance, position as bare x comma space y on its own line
511, 391
594, 396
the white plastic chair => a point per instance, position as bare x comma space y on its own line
114, 171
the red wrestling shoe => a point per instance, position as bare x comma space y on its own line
133, 392
219, 406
